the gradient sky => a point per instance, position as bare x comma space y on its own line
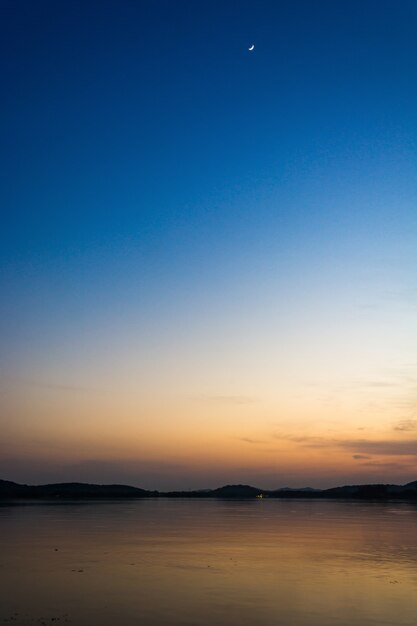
208, 256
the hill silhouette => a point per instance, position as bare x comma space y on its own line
10, 489
76, 491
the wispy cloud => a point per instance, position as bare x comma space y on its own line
389, 465
406, 425
361, 457
309, 441
387, 447
250, 440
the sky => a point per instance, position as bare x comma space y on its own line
208, 255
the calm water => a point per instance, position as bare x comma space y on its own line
178, 562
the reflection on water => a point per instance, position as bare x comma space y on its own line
206, 562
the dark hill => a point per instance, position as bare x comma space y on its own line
72, 491
8, 489
373, 492
236, 491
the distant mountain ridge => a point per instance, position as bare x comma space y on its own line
10, 489
75, 491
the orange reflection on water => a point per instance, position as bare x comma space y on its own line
204, 562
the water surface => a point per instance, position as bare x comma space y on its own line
207, 562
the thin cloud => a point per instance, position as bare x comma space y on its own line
250, 440
391, 466
406, 425
307, 440
388, 447
361, 457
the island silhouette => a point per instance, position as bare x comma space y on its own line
85, 491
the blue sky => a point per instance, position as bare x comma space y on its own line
164, 187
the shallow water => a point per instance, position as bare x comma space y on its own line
209, 562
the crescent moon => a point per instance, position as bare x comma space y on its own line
251, 48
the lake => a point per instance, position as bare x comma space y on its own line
209, 562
